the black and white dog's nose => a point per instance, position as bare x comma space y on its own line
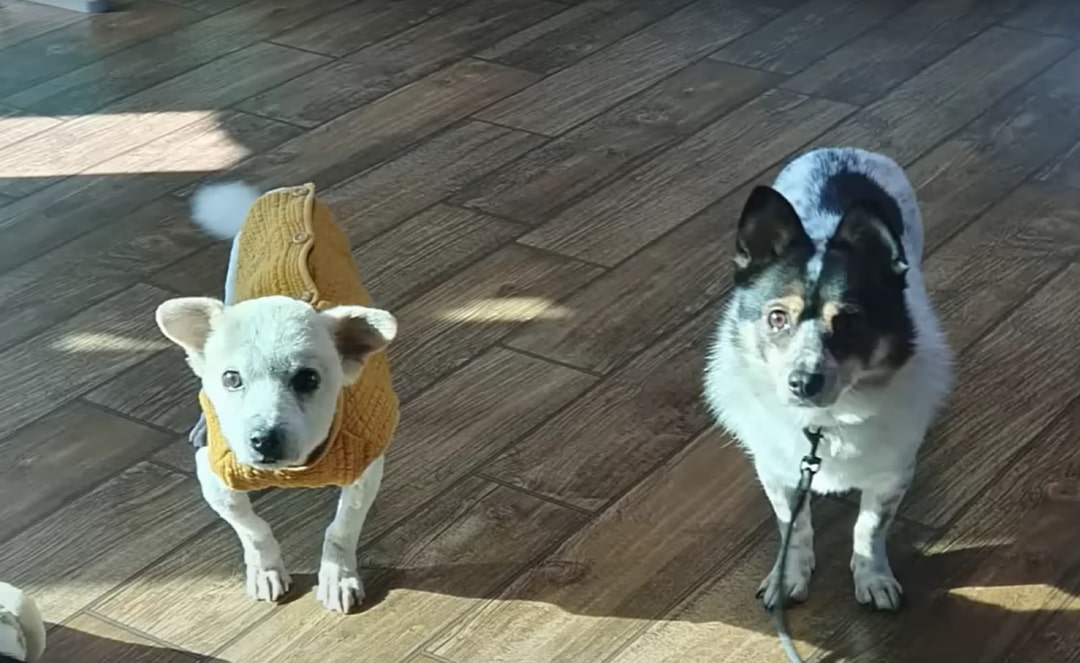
268, 444
805, 384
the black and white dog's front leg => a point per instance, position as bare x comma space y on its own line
800, 557
875, 583
340, 587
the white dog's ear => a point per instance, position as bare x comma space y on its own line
359, 331
186, 322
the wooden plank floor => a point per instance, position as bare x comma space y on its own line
545, 192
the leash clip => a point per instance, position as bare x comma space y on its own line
810, 464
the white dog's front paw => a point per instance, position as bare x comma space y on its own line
267, 584
797, 572
876, 585
340, 588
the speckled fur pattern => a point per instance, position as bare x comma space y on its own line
874, 428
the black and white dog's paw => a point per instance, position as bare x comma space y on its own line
875, 584
340, 588
797, 573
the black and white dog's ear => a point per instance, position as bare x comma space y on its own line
864, 232
187, 321
769, 228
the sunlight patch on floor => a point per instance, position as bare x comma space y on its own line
104, 342
961, 543
1016, 598
507, 309
175, 142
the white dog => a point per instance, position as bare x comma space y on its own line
829, 327
295, 392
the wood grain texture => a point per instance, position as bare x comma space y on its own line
1066, 169
1050, 16
1037, 347
89, 639
1057, 90
82, 352
416, 255
173, 53
432, 570
65, 453
605, 78
620, 219
85, 42
1006, 565
576, 33
803, 35
375, 132
79, 145
26, 20
15, 125
120, 230
1012, 250
611, 438
551, 176
361, 24
208, 6
475, 413
1054, 637
468, 313
204, 579
177, 455
980, 164
723, 621
161, 390
948, 94
868, 67
202, 274
637, 303
88, 548
621, 569
89, 271
383, 197
71, 207
402, 59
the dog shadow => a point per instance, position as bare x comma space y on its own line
68, 644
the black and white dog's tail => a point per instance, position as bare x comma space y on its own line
220, 209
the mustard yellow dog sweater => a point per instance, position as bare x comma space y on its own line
290, 245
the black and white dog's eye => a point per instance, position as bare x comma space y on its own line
778, 319
231, 380
305, 381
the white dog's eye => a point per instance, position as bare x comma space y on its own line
778, 319
305, 381
231, 380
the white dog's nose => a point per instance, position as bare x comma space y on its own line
268, 444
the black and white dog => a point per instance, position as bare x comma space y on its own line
829, 326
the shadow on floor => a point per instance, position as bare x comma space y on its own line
67, 644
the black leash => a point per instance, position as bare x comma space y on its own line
810, 465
